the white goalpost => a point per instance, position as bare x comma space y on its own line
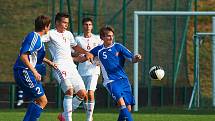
173, 13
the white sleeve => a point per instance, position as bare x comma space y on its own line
73, 43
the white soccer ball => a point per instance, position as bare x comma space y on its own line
156, 73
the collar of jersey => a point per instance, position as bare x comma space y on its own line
109, 46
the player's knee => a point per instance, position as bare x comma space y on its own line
45, 101
121, 102
42, 101
129, 108
91, 95
82, 94
69, 92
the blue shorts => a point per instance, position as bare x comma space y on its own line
27, 82
121, 88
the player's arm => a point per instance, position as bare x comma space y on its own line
128, 55
24, 58
50, 63
82, 51
80, 58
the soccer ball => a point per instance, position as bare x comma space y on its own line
156, 73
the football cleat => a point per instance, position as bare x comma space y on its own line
20, 102
61, 117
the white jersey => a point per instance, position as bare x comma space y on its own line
60, 45
87, 68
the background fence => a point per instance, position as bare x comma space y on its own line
160, 37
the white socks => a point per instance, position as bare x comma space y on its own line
76, 101
67, 106
89, 107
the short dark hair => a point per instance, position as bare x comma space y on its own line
59, 16
86, 20
41, 22
104, 30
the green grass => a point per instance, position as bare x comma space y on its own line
145, 114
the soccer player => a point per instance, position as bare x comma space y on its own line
60, 43
25, 74
111, 59
41, 69
89, 71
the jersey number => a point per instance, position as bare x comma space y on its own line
104, 55
38, 90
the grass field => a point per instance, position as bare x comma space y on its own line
145, 114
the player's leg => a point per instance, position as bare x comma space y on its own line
89, 106
91, 83
79, 87
128, 98
66, 86
129, 108
124, 114
67, 104
127, 95
35, 108
81, 95
115, 88
80, 91
26, 80
77, 100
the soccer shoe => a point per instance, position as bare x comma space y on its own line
61, 117
20, 102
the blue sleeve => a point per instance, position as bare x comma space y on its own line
94, 51
29, 43
125, 52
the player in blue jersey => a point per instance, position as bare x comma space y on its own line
41, 69
25, 74
112, 56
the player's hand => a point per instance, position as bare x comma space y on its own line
54, 65
137, 58
81, 58
88, 56
37, 76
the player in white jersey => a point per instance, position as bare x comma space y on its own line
89, 71
60, 42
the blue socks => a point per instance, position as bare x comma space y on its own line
33, 112
124, 114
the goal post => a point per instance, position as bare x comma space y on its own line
196, 87
167, 13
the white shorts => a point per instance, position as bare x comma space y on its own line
68, 77
90, 81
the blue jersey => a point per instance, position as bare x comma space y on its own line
33, 44
111, 61
23, 76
